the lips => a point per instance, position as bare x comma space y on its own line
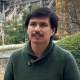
37, 35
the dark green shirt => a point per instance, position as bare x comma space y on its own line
55, 63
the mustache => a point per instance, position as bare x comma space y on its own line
40, 34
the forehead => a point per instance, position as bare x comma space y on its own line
42, 19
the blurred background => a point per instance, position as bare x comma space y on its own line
12, 30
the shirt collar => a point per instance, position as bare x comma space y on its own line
28, 51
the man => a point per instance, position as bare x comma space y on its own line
41, 59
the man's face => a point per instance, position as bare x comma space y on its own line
39, 30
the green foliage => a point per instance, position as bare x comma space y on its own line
35, 7
15, 36
72, 43
25, 13
14, 29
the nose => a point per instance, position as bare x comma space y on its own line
37, 28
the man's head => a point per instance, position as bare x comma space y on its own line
43, 12
41, 25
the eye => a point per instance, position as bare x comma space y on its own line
43, 25
32, 24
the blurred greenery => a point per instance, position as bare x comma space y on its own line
72, 43
15, 31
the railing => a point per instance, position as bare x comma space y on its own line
6, 50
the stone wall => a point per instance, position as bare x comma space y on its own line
5, 53
3, 64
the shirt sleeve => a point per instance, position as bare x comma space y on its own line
71, 70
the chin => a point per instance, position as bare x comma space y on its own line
37, 41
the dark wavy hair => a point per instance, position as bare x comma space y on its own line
46, 12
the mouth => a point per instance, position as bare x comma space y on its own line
37, 35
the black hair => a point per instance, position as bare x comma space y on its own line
46, 12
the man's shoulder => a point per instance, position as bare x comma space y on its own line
62, 53
59, 49
17, 53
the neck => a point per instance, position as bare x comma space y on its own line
38, 48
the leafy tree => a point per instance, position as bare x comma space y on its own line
15, 32
15, 29
72, 43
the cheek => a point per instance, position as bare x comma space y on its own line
50, 32
29, 31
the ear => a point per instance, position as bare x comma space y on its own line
53, 31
